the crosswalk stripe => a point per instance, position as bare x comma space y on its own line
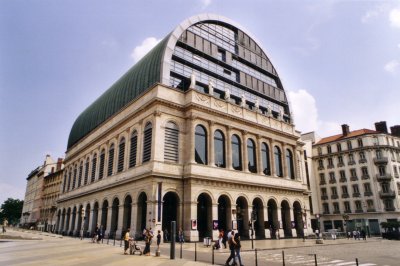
345, 263
367, 264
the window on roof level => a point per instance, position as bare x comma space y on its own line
360, 142
111, 160
101, 164
171, 142
133, 150
349, 146
94, 162
147, 139
339, 147
121, 155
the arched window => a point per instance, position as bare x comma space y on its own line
219, 149
65, 180
289, 163
265, 159
147, 142
102, 162
86, 172
69, 179
200, 149
236, 153
121, 155
171, 142
74, 180
110, 160
251, 156
278, 161
94, 163
133, 150
80, 174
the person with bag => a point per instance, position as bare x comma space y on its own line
231, 244
238, 246
126, 241
147, 238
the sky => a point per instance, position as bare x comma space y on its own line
339, 62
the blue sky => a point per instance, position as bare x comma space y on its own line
338, 60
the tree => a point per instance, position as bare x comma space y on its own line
11, 210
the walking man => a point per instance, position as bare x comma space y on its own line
232, 244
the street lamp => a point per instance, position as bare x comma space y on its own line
83, 220
304, 214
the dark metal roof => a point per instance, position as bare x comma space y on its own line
140, 77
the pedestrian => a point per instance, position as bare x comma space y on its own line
180, 235
95, 234
238, 258
100, 234
126, 241
166, 236
333, 235
220, 238
147, 239
355, 234
231, 244
158, 240
348, 235
224, 238
363, 234
358, 234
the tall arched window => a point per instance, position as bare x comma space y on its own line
133, 150
65, 180
251, 156
74, 180
219, 149
147, 142
200, 149
69, 179
278, 161
236, 153
289, 163
121, 155
111, 160
80, 174
86, 172
265, 159
171, 142
94, 163
102, 162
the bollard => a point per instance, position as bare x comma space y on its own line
283, 258
315, 259
212, 258
356, 261
256, 257
120, 243
195, 251
108, 238
114, 238
181, 251
173, 238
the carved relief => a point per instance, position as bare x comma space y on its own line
202, 98
237, 110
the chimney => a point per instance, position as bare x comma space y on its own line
345, 129
59, 163
395, 130
381, 127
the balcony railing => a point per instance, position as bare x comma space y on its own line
362, 160
381, 160
353, 178
342, 180
359, 211
384, 177
371, 210
390, 209
330, 166
387, 194
336, 212
334, 196
322, 182
368, 193
351, 163
332, 181
345, 195
365, 177
321, 167
324, 197
347, 211
340, 164
356, 194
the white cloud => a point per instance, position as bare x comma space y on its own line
369, 15
144, 48
205, 3
305, 114
394, 17
392, 66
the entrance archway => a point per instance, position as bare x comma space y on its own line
62, 229
204, 216
141, 213
104, 212
273, 221
242, 216
73, 220
298, 219
68, 222
224, 213
95, 217
286, 223
86, 228
114, 217
127, 213
258, 213
170, 211
78, 229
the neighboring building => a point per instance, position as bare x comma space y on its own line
33, 201
199, 132
357, 178
51, 192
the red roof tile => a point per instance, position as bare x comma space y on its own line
352, 134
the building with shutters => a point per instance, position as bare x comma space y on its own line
200, 132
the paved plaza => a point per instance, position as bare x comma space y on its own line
35, 248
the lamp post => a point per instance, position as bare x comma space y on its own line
83, 220
304, 214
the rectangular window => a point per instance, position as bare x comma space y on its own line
349, 146
353, 173
323, 192
336, 207
358, 205
355, 189
321, 178
342, 174
339, 147
334, 190
340, 159
330, 163
347, 207
367, 187
344, 190
360, 142
326, 208
382, 170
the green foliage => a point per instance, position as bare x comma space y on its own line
11, 210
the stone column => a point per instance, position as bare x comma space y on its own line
284, 163
91, 225
294, 232
109, 215
260, 166
77, 217
139, 150
214, 211
271, 145
133, 225
191, 213
190, 138
211, 153
280, 231
120, 220
249, 211
266, 230
245, 160
229, 148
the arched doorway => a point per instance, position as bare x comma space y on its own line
78, 229
95, 217
127, 213
273, 221
242, 217
73, 220
298, 219
62, 227
58, 225
141, 213
258, 214
87, 220
286, 223
104, 212
68, 221
114, 217
204, 216
224, 213
170, 211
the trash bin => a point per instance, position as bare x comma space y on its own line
207, 241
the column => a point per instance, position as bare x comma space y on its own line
271, 146
120, 220
77, 217
91, 224
134, 228
191, 213
266, 230
245, 160
294, 232
260, 166
284, 163
249, 211
280, 231
214, 211
109, 215
211, 153
229, 148
190, 138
